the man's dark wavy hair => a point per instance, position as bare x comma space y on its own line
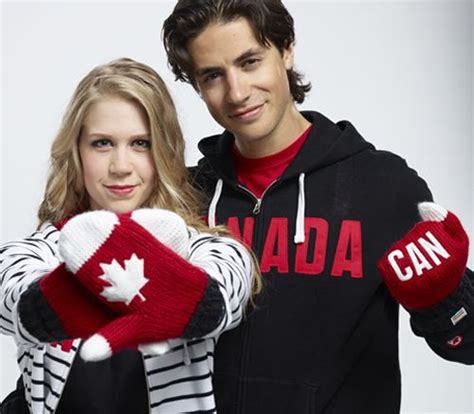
269, 20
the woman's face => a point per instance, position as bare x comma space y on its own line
115, 151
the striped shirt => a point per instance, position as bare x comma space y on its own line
179, 381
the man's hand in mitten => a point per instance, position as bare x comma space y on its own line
427, 265
58, 307
134, 263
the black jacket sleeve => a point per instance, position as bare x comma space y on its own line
448, 326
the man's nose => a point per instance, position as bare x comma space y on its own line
238, 89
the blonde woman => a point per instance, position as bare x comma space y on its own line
118, 202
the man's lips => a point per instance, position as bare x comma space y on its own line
247, 113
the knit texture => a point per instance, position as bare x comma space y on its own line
426, 265
155, 289
205, 318
57, 307
38, 318
436, 320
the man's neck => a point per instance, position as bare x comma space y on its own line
285, 133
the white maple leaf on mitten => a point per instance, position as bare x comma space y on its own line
92, 241
125, 283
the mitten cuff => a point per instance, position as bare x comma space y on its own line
37, 317
456, 309
208, 314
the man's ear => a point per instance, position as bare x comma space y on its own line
288, 56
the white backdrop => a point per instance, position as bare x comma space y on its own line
400, 71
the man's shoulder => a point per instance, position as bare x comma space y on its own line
202, 168
383, 159
202, 175
392, 171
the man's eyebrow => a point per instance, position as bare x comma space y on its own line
248, 54
239, 59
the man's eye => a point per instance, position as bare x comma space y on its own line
142, 143
101, 143
251, 62
212, 77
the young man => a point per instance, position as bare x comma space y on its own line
321, 208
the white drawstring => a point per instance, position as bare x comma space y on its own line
211, 215
186, 357
299, 233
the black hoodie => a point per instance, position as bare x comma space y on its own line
324, 335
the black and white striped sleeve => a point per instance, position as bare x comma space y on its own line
229, 263
21, 263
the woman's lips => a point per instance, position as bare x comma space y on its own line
120, 189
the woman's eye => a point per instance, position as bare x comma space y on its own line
101, 143
142, 143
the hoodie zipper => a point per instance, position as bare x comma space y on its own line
246, 340
258, 201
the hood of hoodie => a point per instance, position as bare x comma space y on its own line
327, 143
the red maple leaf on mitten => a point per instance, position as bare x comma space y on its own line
427, 264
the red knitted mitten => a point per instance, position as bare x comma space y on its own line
58, 307
155, 289
425, 266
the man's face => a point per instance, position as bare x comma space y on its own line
243, 83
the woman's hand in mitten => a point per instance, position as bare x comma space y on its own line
57, 307
134, 263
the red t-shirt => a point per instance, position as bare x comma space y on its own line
256, 174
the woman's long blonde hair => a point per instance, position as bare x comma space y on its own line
65, 194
